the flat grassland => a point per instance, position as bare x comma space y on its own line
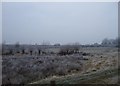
99, 65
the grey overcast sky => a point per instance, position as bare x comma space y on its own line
60, 22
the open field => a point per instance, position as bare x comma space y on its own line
91, 65
100, 77
59, 42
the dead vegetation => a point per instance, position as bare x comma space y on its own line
25, 69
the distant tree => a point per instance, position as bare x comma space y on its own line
105, 42
57, 44
10, 52
46, 43
17, 45
69, 49
117, 42
31, 52
76, 44
3, 47
23, 51
39, 51
110, 42
96, 45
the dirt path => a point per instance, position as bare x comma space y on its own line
95, 77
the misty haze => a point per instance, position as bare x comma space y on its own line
85, 23
60, 43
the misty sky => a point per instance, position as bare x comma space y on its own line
64, 22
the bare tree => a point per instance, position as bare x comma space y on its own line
3, 47
110, 42
69, 49
46, 43
17, 45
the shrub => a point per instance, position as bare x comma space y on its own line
69, 49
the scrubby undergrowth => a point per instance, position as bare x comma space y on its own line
26, 69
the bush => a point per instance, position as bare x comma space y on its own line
69, 49
26, 69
